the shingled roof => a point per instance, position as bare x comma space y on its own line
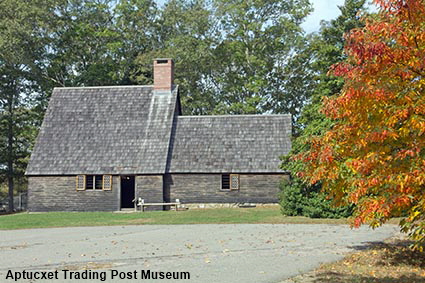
229, 143
138, 130
105, 130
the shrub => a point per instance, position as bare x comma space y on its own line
296, 199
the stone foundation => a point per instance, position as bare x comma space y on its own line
225, 205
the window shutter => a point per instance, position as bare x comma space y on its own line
234, 182
81, 182
107, 182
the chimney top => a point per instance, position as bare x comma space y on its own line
163, 74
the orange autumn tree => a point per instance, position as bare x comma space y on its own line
374, 155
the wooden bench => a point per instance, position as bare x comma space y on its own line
141, 202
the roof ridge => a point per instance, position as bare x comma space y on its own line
233, 115
110, 86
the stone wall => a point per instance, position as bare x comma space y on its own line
150, 188
206, 188
58, 193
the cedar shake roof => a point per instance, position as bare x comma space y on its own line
105, 130
227, 144
137, 130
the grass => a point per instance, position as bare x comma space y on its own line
192, 216
391, 261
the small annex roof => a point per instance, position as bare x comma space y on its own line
229, 143
105, 130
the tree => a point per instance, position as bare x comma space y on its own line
232, 56
185, 31
23, 38
137, 24
374, 154
327, 49
84, 44
257, 42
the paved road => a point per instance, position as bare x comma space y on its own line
210, 253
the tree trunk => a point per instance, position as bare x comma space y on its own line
10, 151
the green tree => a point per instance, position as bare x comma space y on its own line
96, 42
186, 33
257, 39
82, 51
137, 23
231, 57
327, 48
24, 28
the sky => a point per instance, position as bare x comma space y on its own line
323, 10
327, 10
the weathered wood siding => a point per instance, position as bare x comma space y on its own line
150, 188
58, 193
206, 188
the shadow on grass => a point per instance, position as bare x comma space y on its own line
395, 253
334, 277
387, 262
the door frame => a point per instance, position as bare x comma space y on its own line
121, 189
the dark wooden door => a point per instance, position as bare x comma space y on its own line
127, 191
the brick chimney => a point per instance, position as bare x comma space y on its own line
163, 74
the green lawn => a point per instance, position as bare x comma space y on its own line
192, 216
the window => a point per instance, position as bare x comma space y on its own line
94, 182
225, 182
89, 182
230, 182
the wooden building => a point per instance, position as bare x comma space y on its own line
101, 147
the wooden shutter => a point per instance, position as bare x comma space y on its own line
81, 182
107, 182
234, 182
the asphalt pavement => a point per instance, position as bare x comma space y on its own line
222, 253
